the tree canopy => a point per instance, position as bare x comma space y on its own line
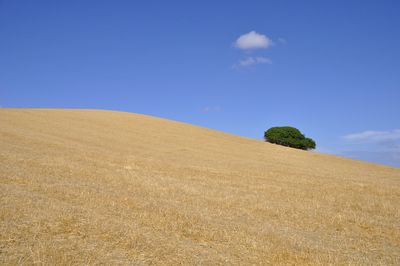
290, 137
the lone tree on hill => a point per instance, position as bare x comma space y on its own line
290, 137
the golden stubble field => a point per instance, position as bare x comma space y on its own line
104, 187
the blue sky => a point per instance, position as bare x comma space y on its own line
329, 68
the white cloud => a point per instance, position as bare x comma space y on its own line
371, 135
254, 61
253, 40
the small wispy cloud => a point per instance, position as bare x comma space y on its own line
253, 40
371, 135
377, 146
282, 40
209, 109
248, 61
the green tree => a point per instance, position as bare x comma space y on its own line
290, 137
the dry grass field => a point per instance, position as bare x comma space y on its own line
104, 187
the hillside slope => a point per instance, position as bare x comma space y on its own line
90, 187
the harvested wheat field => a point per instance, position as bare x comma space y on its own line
106, 187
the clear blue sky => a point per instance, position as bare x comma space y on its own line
329, 68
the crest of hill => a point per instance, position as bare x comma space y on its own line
93, 186
142, 136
